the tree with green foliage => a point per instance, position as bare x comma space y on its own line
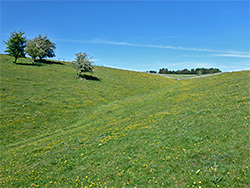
16, 45
46, 47
163, 71
40, 47
32, 49
82, 63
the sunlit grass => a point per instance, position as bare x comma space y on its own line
127, 130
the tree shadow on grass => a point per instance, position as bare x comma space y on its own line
45, 61
30, 64
89, 77
42, 62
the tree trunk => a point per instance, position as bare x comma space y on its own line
15, 60
33, 60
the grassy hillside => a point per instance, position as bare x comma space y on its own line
122, 128
40, 99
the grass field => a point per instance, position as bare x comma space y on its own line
121, 128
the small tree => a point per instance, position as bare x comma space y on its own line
16, 44
32, 49
40, 47
82, 63
46, 47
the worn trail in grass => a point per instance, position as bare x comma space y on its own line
187, 76
167, 133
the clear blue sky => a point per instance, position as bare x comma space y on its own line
141, 35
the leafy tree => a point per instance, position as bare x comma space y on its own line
160, 71
32, 49
82, 63
166, 71
163, 71
16, 45
40, 47
46, 47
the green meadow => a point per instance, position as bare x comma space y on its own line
117, 128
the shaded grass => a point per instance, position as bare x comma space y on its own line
89, 77
140, 130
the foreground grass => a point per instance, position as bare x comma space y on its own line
127, 130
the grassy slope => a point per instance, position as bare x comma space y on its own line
129, 129
40, 99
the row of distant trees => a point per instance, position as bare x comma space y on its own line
192, 71
39, 47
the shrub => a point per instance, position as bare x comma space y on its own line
82, 63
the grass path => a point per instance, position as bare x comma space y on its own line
184, 77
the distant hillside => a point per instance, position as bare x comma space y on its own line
121, 128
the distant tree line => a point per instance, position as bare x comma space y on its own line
152, 72
192, 71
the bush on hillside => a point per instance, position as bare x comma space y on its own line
82, 64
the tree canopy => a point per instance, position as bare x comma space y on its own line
40, 47
82, 63
16, 45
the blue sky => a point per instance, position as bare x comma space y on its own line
139, 35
